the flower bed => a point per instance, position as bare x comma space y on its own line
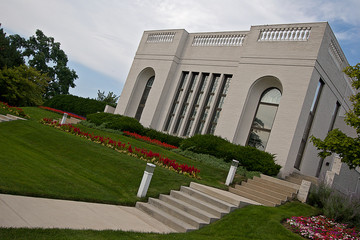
126, 148
320, 227
62, 112
147, 139
6, 108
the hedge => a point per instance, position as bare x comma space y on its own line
74, 104
249, 157
123, 123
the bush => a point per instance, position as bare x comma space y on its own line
335, 205
74, 104
216, 162
116, 122
249, 157
206, 144
163, 137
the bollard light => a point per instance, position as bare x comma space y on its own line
232, 171
63, 120
145, 182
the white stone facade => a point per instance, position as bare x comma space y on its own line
186, 83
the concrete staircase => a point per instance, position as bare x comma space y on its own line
267, 190
297, 178
193, 207
9, 117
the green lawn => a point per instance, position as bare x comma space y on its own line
251, 222
38, 160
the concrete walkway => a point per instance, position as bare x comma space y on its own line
31, 212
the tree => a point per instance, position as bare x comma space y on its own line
338, 142
22, 86
109, 99
9, 55
44, 54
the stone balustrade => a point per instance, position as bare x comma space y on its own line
219, 40
285, 34
160, 37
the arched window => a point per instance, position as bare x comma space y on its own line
144, 98
264, 118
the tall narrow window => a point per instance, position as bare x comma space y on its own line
264, 118
219, 102
331, 127
176, 102
309, 124
196, 104
144, 98
206, 107
186, 102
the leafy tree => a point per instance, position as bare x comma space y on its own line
44, 54
338, 142
9, 55
109, 99
22, 86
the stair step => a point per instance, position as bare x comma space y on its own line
293, 180
5, 118
280, 182
223, 195
260, 194
277, 185
14, 117
178, 213
246, 194
209, 199
162, 216
290, 193
311, 179
188, 208
212, 209
267, 191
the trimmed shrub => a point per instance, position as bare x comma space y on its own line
116, 122
163, 137
123, 123
249, 157
74, 104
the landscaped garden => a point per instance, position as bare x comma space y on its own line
90, 162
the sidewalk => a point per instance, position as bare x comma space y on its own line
31, 212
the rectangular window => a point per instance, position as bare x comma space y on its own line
206, 107
219, 102
196, 104
186, 102
331, 127
309, 124
176, 100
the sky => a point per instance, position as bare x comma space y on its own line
100, 37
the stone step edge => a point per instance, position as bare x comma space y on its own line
170, 221
223, 195
269, 192
212, 209
274, 187
225, 206
178, 213
280, 181
262, 195
250, 196
186, 207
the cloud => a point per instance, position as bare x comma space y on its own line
104, 34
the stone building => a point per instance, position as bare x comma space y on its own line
270, 87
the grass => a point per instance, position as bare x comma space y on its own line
251, 222
37, 160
